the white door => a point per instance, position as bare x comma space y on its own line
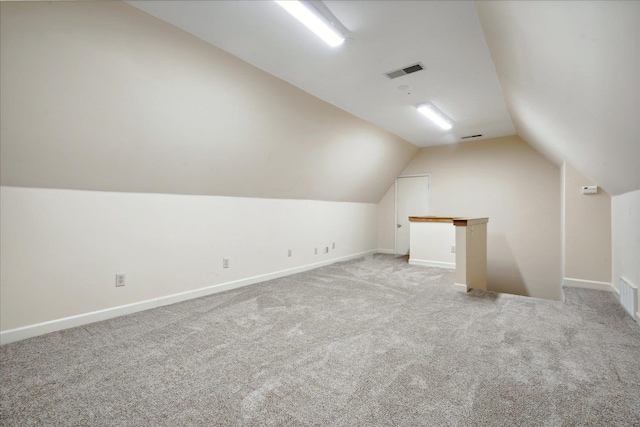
412, 199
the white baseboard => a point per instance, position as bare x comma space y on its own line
439, 264
386, 251
460, 287
598, 286
588, 284
30, 331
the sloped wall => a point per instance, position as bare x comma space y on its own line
120, 136
569, 72
101, 96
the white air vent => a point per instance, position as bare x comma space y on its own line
404, 71
628, 297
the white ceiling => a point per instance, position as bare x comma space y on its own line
446, 37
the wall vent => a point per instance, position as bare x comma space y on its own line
404, 71
471, 136
628, 297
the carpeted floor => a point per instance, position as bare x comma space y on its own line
374, 341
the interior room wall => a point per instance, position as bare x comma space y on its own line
121, 136
61, 249
587, 233
518, 189
387, 221
625, 224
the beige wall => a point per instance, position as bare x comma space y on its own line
569, 73
101, 96
518, 189
387, 221
587, 230
102, 105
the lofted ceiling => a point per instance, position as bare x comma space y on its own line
446, 37
569, 69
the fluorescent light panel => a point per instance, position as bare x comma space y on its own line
322, 29
432, 113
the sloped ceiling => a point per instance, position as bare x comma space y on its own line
99, 95
444, 35
570, 73
102, 96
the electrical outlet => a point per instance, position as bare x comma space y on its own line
333, 245
315, 251
225, 262
326, 249
453, 249
289, 253
120, 279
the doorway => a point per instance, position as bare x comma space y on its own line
412, 199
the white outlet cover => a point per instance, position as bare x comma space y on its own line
120, 279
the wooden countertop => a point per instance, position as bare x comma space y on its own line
457, 221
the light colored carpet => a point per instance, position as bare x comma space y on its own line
374, 341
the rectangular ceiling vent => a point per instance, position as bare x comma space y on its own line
404, 71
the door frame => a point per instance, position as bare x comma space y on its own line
395, 204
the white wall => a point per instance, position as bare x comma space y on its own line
625, 230
432, 242
61, 249
518, 189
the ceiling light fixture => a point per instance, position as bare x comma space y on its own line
435, 115
321, 24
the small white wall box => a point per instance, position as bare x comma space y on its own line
589, 189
